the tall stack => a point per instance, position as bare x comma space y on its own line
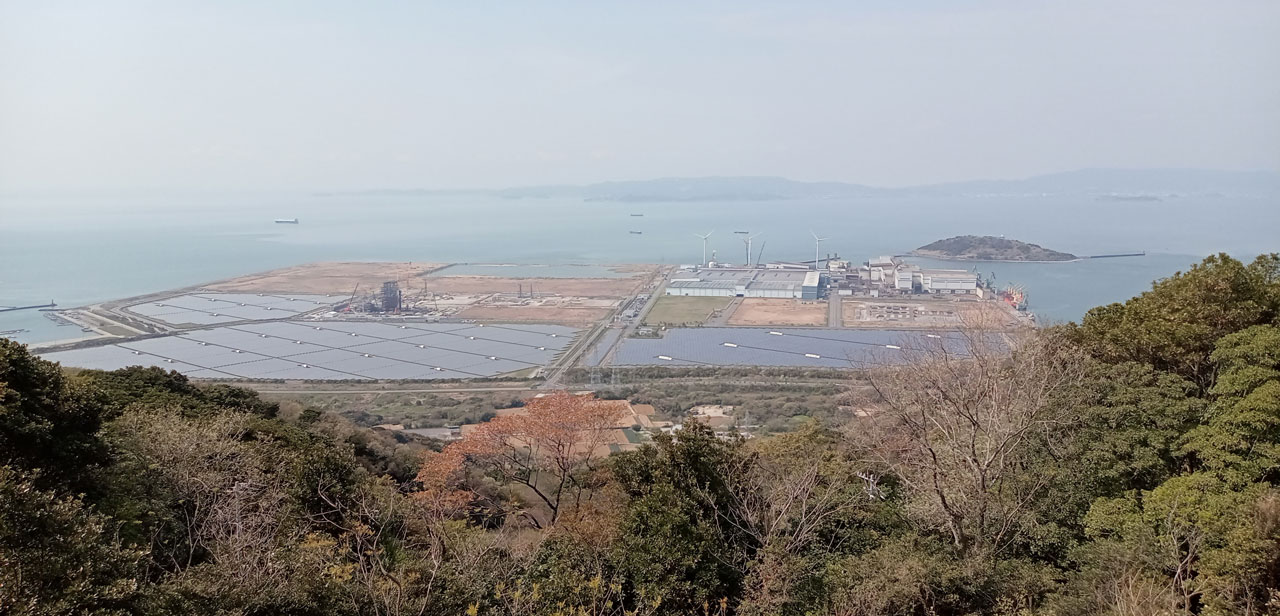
390, 296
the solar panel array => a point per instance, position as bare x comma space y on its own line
215, 308
336, 350
749, 346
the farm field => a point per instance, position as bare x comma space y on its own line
677, 310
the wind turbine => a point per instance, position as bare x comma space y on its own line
816, 241
704, 246
747, 241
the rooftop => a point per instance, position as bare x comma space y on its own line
703, 284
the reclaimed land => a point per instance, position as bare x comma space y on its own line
325, 277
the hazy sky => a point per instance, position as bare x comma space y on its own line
316, 95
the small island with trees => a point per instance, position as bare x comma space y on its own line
989, 248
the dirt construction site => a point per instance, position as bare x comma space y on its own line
783, 312
571, 310
859, 313
327, 277
931, 313
427, 290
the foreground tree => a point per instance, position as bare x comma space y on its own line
47, 423
1176, 324
548, 449
57, 556
958, 424
1209, 540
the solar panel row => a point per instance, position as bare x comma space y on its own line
214, 308
336, 350
725, 346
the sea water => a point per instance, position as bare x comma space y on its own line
80, 250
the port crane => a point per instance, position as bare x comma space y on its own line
351, 302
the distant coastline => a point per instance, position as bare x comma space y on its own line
1136, 185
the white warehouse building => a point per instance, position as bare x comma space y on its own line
762, 283
948, 281
703, 288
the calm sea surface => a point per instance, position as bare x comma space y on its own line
78, 251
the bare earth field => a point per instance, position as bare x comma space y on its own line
568, 315
572, 287
761, 311
324, 278
678, 310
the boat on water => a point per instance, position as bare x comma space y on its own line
286, 221
637, 215
1015, 296
637, 232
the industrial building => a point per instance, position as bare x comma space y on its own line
890, 275
948, 281
777, 283
391, 298
811, 286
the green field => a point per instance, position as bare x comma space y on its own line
676, 310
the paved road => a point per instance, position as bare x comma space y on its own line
722, 320
659, 283
573, 354
835, 314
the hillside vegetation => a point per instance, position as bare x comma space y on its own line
989, 248
1125, 465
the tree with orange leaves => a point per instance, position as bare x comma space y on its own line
548, 447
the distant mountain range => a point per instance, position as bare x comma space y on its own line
1105, 184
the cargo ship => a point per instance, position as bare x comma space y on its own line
286, 221
1015, 296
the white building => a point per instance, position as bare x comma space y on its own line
948, 281
703, 288
809, 287
904, 277
764, 283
